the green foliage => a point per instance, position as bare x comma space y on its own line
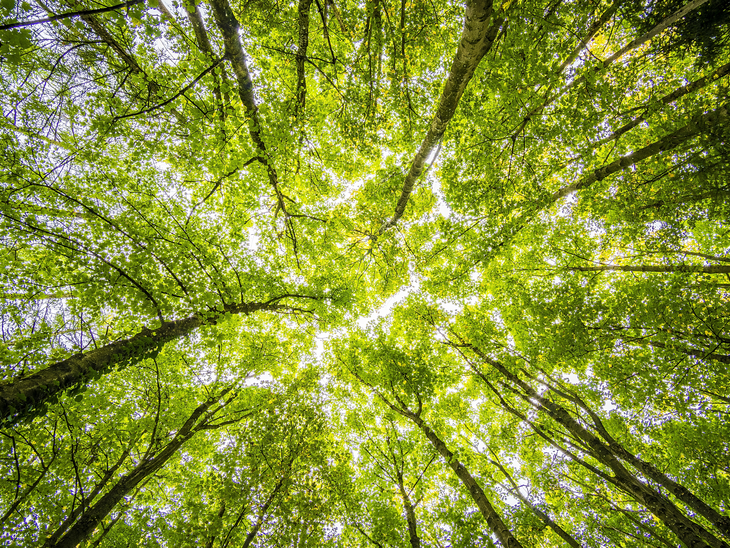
553, 301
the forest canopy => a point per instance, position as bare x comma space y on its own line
388, 273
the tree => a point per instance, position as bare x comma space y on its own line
389, 273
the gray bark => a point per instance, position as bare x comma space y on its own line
690, 533
19, 398
477, 39
410, 514
699, 124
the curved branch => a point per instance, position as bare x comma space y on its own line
69, 15
178, 94
476, 40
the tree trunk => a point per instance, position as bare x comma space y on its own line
547, 520
109, 474
410, 515
689, 532
301, 89
635, 43
496, 525
18, 399
698, 124
86, 524
229, 28
682, 493
260, 520
201, 36
494, 521
711, 269
667, 100
477, 39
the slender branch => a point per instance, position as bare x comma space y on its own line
711, 269
171, 99
70, 14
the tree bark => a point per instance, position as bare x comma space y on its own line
667, 100
711, 269
410, 514
498, 527
229, 28
201, 36
689, 532
547, 520
260, 520
699, 124
86, 524
682, 493
494, 521
301, 89
109, 474
477, 39
18, 399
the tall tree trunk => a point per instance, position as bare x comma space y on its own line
699, 124
689, 532
90, 519
547, 520
108, 475
260, 520
493, 519
201, 36
476, 40
301, 89
229, 28
667, 100
711, 269
18, 399
682, 493
635, 43
410, 514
